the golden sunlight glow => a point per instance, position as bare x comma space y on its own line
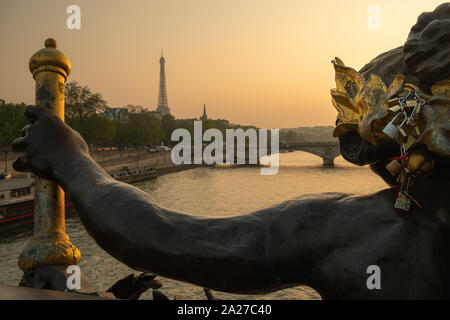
260, 62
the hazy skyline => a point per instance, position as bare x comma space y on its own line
258, 62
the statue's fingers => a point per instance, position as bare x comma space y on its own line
155, 284
158, 295
147, 276
21, 164
19, 144
33, 113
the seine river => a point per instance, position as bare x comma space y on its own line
215, 191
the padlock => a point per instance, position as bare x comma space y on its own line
395, 108
403, 132
394, 167
391, 130
409, 142
419, 107
393, 101
416, 128
420, 164
402, 203
411, 103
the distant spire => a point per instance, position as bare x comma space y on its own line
204, 116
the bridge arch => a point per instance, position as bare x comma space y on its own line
328, 151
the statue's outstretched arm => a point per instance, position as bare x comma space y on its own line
263, 251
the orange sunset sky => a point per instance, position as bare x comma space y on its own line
259, 62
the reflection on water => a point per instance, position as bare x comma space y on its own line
219, 191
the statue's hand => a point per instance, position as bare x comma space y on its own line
46, 143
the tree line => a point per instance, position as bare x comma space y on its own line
85, 112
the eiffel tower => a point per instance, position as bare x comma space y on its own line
163, 106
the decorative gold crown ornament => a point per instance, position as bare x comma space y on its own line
366, 105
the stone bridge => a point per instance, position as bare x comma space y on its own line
326, 150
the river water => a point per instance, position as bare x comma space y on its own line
211, 191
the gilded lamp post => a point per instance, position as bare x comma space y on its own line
50, 244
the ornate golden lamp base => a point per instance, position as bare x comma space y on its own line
49, 248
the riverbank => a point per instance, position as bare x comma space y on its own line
142, 174
109, 160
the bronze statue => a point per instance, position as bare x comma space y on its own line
326, 241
